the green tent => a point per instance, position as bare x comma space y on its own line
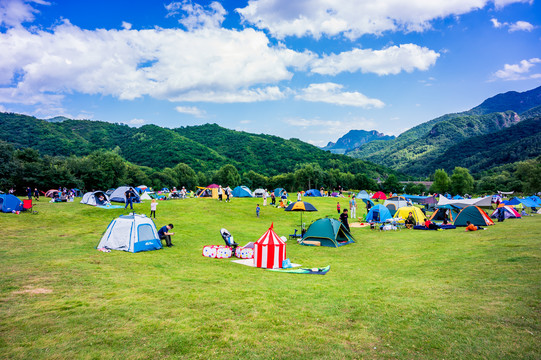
328, 232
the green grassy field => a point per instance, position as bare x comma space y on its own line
392, 295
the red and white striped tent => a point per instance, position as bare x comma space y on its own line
269, 250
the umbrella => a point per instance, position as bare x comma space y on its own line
301, 206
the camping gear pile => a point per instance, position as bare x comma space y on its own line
230, 249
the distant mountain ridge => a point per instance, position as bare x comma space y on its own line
419, 151
353, 139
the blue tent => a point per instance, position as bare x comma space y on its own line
526, 202
363, 195
536, 199
458, 197
278, 192
312, 192
242, 191
378, 213
9, 203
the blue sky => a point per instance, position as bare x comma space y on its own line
310, 69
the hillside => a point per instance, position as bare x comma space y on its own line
205, 147
419, 151
353, 139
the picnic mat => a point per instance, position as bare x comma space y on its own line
312, 271
250, 262
110, 206
359, 225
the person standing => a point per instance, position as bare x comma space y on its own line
29, 192
273, 198
220, 192
153, 205
227, 193
344, 218
129, 199
353, 207
257, 209
164, 234
368, 206
338, 207
299, 196
36, 194
265, 197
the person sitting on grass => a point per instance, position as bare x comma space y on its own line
410, 221
471, 227
164, 234
431, 226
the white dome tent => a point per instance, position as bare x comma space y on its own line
132, 233
94, 198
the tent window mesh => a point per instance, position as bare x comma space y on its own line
145, 233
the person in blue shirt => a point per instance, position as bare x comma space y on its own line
257, 209
164, 234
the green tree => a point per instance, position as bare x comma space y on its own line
308, 176
461, 181
6, 165
529, 172
227, 175
254, 180
442, 183
392, 184
185, 176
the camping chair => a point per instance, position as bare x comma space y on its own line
295, 235
28, 206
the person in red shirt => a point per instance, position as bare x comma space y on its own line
430, 225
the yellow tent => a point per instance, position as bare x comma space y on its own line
404, 212
209, 193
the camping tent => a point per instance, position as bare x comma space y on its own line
485, 201
313, 192
452, 213
9, 203
131, 233
379, 195
535, 199
109, 192
508, 212
394, 203
146, 196
378, 213
93, 198
213, 186
404, 212
458, 197
269, 250
363, 195
473, 214
526, 202
242, 191
259, 192
328, 232
51, 193
119, 194
278, 192
207, 192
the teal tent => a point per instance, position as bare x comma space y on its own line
474, 215
328, 232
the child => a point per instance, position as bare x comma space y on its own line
153, 205
257, 210
338, 207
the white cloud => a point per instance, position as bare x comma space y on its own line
126, 25
502, 3
332, 93
191, 110
512, 27
391, 60
245, 121
216, 65
521, 26
353, 18
135, 122
15, 12
518, 71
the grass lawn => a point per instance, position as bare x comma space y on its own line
392, 295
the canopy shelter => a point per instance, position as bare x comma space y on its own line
327, 232
483, 202
301, 206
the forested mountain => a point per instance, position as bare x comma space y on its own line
424, 148
203, 148
355, 138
